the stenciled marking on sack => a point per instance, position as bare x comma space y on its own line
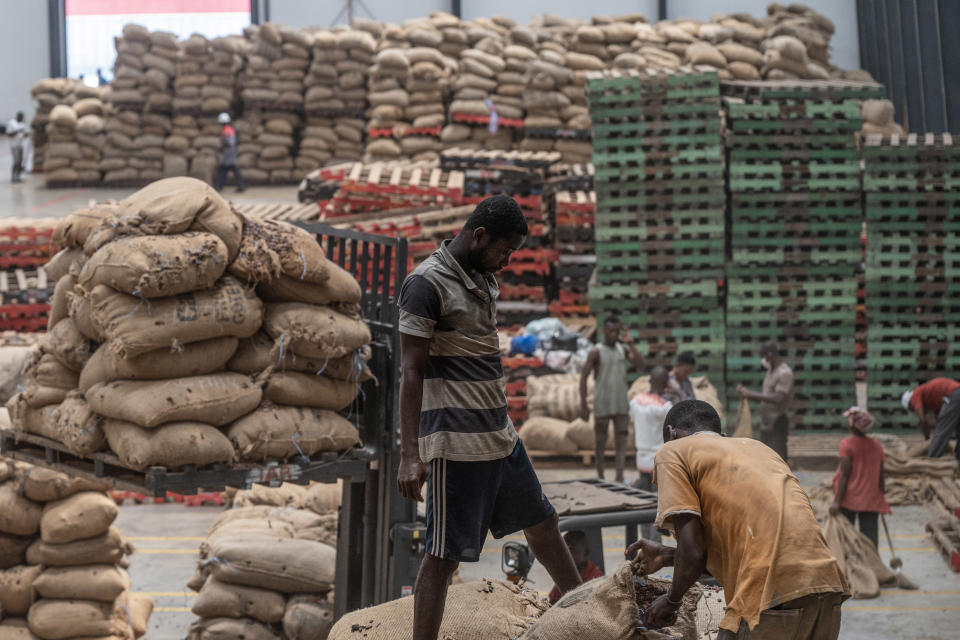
187, 310
575, 598
228, 306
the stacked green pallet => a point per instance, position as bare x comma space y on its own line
912, 192
795, 226
658, 163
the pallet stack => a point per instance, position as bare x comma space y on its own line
658, 161
25, 290
913, 266
795, 224
573, 239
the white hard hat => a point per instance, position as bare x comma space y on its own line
223, 118
905, 399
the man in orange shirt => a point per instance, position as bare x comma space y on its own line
738, 512
858, 483
937, 400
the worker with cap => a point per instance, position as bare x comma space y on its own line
936, 401
774, 399
738, 512
228, 155
858, 485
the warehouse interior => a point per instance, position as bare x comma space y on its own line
214, 217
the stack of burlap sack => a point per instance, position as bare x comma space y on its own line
204, 87
139, 102
908, 471
154, 348
276, 63
47, 94
62, 149
267, 566
607, 608
335, 98
878, 118
427, 84
62, 564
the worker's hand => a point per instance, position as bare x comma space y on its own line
742, 390
585, 412
410, 478
646, 557
835, 509
660, 613
625, 337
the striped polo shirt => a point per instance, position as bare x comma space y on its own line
463, 415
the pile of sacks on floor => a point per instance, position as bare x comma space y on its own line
267, 566
62, 564
182, 334
603, 609
908, 471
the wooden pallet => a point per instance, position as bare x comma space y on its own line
19, 285
287, 211
457, 158
946, 536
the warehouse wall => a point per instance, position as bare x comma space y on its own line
25, 51
322, 13
845, 45
523, 10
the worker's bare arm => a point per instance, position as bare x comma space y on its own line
412, 474
647, 557
776, 397
592, 359
846, 464
634, 356
689, 564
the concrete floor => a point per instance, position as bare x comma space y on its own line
167, 536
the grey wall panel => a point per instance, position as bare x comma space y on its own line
523, 10
844, 45
25, 51
305, 13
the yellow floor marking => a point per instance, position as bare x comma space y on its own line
165, 538
848, 607
905, 592
911, 549
165, 594
184, 552
172, 610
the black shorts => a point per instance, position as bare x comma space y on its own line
465, 500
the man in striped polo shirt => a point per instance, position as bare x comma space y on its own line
455, 431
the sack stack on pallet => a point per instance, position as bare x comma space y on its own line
73, 134
157, 310
62, 150
797, 43
794, 182
266, 570
335, 97
272, 90
62, 563
48, 93
387, 100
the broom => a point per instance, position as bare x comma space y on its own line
896, 563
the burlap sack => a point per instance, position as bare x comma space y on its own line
311, 526
41, 422
16, 589
481, 610
384, 147
134, 327
217, 399
256, 354
49, 372
139, 607
324, 498
15, 629
314, 331
221, 600
230, 629
174, 445
63, 116
281, 432
13, 550
59, 305
743, 426
74, 230
877, 112
278, 564
309, 390
705, 53
270, 249
308, 617
341, 286
46, 485
743, 71
64, 619
78, 427
70, 347
554, 397
108, 548
63, 262
734, 52
857, 556
286, 495
175, 205
84, 515
547, 434
78, 308
157, 266
100, 582
18, 516
196, 358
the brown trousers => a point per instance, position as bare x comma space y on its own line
813, 617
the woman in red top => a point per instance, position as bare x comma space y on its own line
858, 483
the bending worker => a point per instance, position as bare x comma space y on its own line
738, 512
937, 402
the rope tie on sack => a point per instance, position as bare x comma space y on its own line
303, 259
303, 457
280, 343
324, 367
95, 424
